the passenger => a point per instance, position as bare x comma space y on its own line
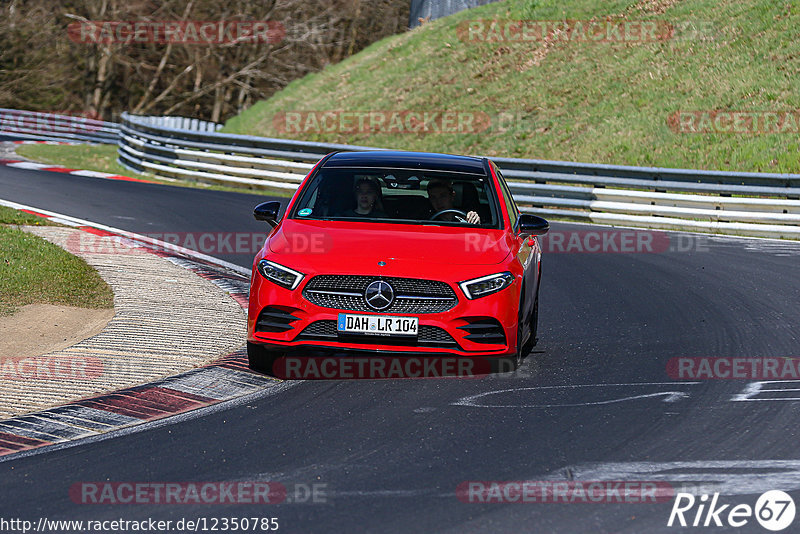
369, 202
442, 197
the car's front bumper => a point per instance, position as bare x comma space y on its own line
306, 326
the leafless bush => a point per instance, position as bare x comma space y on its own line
42, 68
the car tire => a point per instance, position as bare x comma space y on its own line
260, 359
516, 360
535, 316
534, 339
533, 326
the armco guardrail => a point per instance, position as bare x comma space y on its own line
36, 126
755, 204
180, 123
168, 152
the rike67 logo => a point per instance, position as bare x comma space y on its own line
774, 510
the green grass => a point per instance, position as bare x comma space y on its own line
103, 158
33, 270
575, 101
12, 216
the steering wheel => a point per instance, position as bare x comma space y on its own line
463, 215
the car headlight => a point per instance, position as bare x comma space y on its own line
486, 285
283, 276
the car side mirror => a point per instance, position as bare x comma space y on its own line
532, 225
268, 211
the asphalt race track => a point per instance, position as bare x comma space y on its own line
593, 402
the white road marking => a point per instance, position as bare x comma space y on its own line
756, 388
728, 477
669, 396
92, 174
29, 165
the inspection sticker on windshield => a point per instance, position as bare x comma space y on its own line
378, 324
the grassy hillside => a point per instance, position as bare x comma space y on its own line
33, 270
604, 102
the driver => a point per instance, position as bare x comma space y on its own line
442, 197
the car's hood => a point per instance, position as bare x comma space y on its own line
344, 243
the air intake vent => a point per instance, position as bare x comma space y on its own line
275, 320
488, 331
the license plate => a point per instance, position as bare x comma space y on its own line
383, 325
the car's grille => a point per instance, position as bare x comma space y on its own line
428, 336
411, 295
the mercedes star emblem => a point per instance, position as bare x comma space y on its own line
379, 295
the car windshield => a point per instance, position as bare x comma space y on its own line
400, 196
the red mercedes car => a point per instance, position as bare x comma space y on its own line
396, 253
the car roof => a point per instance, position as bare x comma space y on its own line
394, 159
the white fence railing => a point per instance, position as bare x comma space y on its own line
33, 125
755, 204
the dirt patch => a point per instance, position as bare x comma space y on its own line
38, 329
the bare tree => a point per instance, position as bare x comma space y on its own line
42, 68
